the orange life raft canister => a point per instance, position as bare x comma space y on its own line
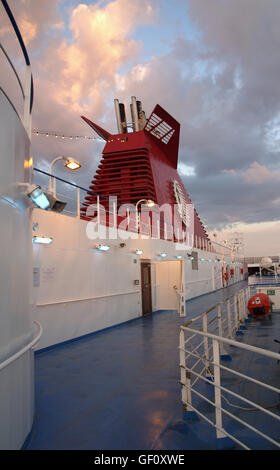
259, 305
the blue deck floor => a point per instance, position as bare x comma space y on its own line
119, 388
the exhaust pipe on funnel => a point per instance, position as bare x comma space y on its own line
123, 117
120, 116
134, 114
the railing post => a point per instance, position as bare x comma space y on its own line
240, 325
244, 309
240, 308
217, 384
236, 326
98, 210
246, 304
78, 202
220, 326
182, 304
223, 353
185, 378
229, 319
243, 305
127, 219
115, 214
205, 341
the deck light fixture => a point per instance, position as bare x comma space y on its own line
150, 203
144, 202
69, 163
25, 195
72, 165
39, 197
102, 247
42, 240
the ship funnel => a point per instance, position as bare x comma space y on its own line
137, 115
120, 116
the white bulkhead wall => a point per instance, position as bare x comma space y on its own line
79, 290
16, 330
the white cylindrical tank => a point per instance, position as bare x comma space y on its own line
266, 262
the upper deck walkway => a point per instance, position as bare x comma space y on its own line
119, 388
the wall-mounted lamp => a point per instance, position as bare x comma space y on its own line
102, 247
179, 257
69, 163
42, 240
39, 197
163, 255
72, 165
144, 202
139, 252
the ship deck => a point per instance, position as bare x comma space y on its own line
119, 389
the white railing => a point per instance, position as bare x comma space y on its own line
26, 348
145, 228
264, 280
204, 343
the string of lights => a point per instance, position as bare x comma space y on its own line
57, 135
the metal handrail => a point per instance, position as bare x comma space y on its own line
28, 90
232, 342
195, 358
14, 69
220, 388
192, 243
22, 45
31, 345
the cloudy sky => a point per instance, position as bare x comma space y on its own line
213, 64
